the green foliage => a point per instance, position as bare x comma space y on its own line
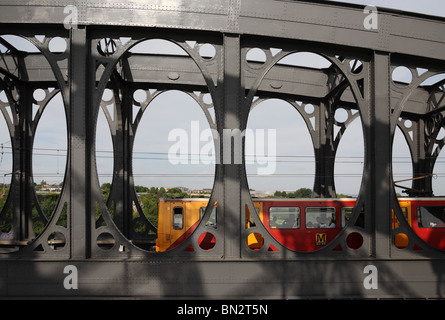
140, 189
48, 203
175, 193
5, 226
149, 203
105, 188
148, 199
300, 193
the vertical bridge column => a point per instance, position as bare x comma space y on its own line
232, 147
324, 184
79, 146
380, 156
22, 170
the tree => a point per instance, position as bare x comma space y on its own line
39, 186
105, 188
303, 193
141, 189
300, 193
278, 194
176, 193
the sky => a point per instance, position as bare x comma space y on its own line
173, 110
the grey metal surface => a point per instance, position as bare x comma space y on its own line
231, 280
33, 265
300, 20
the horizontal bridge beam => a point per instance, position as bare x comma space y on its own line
169, 71
332, 279
323, 22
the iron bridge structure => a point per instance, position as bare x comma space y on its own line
96, 251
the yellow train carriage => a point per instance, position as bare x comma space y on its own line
178, 218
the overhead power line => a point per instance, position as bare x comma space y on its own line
148, 155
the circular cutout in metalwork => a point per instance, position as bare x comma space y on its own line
57, 45
207, 241
401, 240
341, 115
140, 96
56, 240
39, 95
107, 95
402, 75
207, 51
255, 241
256, 56
309, 108
408, 124
105, 241
354, 240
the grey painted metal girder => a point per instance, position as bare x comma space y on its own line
167, 71
333, 279
324, 22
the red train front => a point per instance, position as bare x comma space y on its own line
428, 220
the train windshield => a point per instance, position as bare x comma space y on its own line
320, 218
284, 217
431, 217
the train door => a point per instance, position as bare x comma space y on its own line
170, 221
173, 222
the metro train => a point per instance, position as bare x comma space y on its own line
299, 224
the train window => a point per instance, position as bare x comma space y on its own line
431, 217
346, 213
178, 218
284, 217
320, 218
212, 220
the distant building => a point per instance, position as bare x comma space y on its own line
50, 188
183, 189
260, 194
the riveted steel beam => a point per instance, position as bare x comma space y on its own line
323, 22
162, 71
